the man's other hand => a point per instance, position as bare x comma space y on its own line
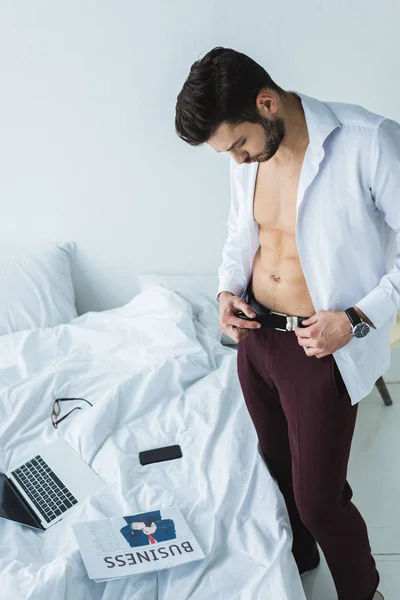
234, 327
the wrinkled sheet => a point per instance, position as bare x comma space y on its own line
157, 374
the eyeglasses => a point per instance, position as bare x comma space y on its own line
57, 409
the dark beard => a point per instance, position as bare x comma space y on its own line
274, 131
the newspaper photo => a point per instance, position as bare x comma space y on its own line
150, 541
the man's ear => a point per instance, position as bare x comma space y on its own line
266, 103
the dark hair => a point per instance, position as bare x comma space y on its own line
221, 87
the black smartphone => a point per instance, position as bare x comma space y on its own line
160, 454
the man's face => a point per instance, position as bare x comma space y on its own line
254, 141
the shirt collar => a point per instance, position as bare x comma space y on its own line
321, 121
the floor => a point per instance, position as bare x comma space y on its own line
374, 476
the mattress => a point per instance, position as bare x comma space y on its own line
156, 374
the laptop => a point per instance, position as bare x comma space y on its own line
46, 488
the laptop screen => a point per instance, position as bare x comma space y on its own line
13, 507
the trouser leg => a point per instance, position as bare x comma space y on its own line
255, 358
321, 422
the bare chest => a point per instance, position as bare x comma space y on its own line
277, 278
275, 197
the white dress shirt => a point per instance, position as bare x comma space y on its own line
347, 218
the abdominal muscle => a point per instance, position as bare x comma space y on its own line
277, 280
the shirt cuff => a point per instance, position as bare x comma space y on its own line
377, 306
229, 285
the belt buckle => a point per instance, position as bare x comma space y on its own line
291, 322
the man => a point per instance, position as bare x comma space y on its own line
304, 285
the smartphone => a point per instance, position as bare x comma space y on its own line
160, 454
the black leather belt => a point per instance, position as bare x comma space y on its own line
270, 318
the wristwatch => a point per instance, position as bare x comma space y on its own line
359, 328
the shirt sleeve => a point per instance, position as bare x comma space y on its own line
230, 274
381, 303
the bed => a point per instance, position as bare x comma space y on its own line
157, 374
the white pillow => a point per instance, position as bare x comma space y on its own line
203, 284
36, 289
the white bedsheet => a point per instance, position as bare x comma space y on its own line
156, 375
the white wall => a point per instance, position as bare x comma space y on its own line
88, 150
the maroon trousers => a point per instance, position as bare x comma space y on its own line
305, 421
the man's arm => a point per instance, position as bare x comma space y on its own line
230, 273
383, 301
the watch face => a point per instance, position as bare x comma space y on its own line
361, 329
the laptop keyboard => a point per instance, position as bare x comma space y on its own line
46, 491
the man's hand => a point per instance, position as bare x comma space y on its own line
234, 327
328, 331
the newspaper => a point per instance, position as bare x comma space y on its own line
150, 541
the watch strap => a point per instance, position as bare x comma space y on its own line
353, 316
